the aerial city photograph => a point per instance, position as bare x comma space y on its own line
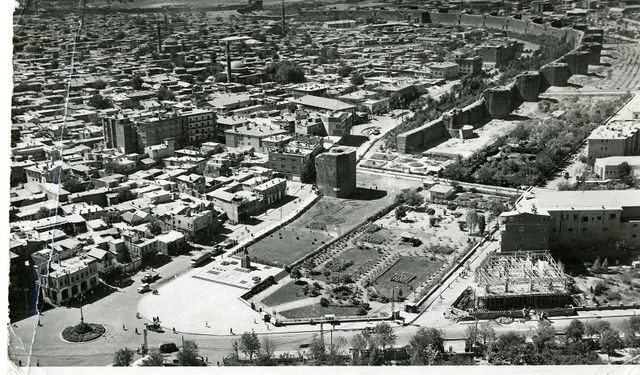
239, 183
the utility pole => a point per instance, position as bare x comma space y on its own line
144, 344
322, 335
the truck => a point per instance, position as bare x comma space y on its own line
201, 257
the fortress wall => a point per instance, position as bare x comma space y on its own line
469, 20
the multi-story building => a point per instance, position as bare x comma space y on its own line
445, 70
296, 159
63, 278
241, 200
469, 65
200, 125
618, 138
251, 135
570, 221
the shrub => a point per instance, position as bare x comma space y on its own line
600, 287
324, 302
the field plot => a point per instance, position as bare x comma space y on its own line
319, 311
336, 216
406, 274
289, 292
287, 245
351, 263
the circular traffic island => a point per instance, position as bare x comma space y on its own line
83, 332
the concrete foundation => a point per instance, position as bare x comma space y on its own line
528, 84
556, 74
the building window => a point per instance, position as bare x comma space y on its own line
612, 216
575, 217
521, 229
570, 229
585, 218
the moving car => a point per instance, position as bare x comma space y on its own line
144, 288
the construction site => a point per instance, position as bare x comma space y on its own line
517, 280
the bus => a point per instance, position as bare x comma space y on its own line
200, 258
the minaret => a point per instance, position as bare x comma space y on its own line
166, 24
228, 50
159, 38
283, 22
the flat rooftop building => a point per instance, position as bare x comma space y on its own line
571, 222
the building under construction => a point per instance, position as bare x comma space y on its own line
524, 279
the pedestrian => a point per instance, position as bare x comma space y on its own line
254, 321
174, 329
206, 359
137, 331
218, 363
38, 362
124, 328
206, 324
231, 331
39, 324
20, 363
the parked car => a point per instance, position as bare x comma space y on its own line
168, 347
144, 288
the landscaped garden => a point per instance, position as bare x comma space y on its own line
405, 275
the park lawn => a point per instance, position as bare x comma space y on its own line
289, 292
420, 266
340, 214
287, 245
317, 311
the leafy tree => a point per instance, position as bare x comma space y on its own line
155, 228
123, 357
482, 224
597, 327
409, 197
545, 336
99, 102
249, 344
631, 328
317, 351
136, 82
383, 335
153, 359
99, 84
401, 212
111, 217
266, 352
165, 94
336, 349
610, 341
512, 348
188, 356
596, 267
575, 331
357, 79
487, 334
285, 72
426, 346
125, 195
72, 184
344, 70
472, 335
42, 213
605, 265
472, 219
